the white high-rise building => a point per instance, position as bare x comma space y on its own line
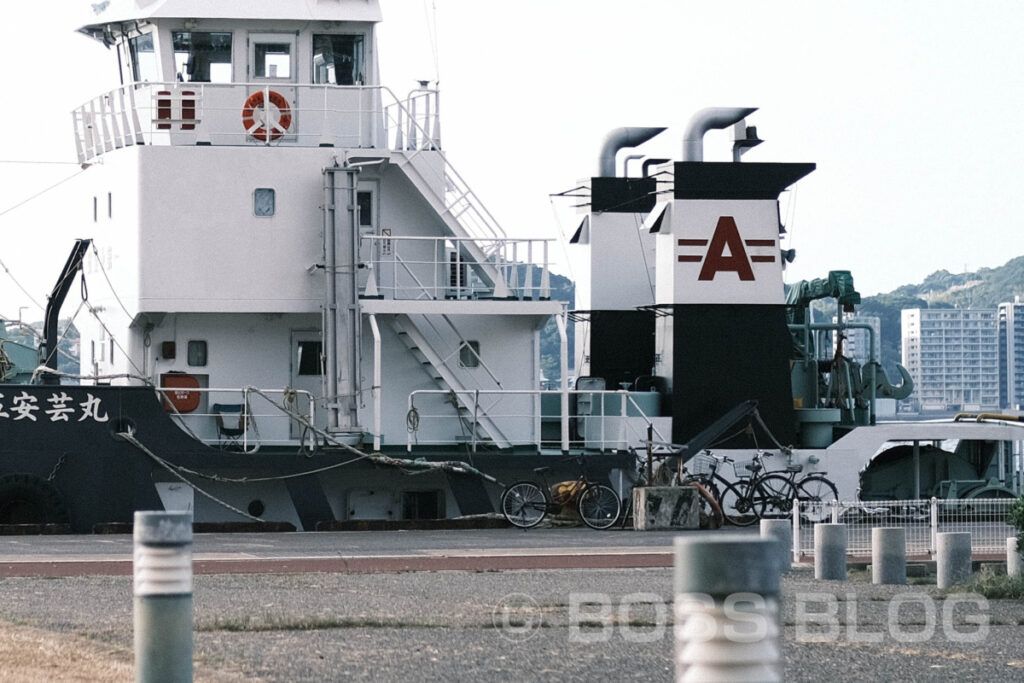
953, 356
857, 342
1011, 354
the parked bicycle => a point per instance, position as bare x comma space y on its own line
742, 500
783, 488
526, 503
709, 510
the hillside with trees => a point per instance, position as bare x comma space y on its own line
984, 288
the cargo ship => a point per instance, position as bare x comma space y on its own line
296, 311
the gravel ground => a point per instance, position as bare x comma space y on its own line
433, 625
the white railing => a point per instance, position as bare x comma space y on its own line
264, 422
438, 417
211, 114
984, 518
432, 268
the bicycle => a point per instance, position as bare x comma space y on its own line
782, 488
525, 504
710, 511
701, 477
743, 500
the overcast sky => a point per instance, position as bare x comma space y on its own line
912, 111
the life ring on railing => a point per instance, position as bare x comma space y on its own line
263, 130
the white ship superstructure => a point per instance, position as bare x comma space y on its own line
270, 215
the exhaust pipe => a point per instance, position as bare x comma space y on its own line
621, 138
712, 118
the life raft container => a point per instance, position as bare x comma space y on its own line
264, 131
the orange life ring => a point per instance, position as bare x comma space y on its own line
263, 131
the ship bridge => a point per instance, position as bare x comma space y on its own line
249, 73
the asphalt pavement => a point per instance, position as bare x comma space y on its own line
499, 624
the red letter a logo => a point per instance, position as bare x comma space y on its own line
726, 235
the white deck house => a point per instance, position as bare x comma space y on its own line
267, 214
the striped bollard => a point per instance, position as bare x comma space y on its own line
888, 555
163, 596
1014, 558
727, 609
953, 562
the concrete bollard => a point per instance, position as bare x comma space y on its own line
830, 552
953, 559
163, 596
727, 609
888, 555
781, 530
1014, 558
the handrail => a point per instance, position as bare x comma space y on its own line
244, 393
472, 397
111, 120
393, 249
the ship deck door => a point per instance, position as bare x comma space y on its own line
307, 375
369, 249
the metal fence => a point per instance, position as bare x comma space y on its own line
984, 518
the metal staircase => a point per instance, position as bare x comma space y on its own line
461, 210
476, 423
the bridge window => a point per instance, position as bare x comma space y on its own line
143, 58
338, 60
271, 56
202, 57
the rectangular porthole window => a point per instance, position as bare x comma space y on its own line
263, 201
309, 360
469, 354
196, 353
364, 202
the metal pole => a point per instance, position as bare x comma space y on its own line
934, 513
650, 454
796, 531
726, 609
163, 597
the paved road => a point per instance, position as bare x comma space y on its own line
485, 549
562, 624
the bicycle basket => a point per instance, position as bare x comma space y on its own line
701, 464
742, 469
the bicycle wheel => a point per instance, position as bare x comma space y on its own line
816, 494
524, 504
773, 496
711, 516
737, 508
599, 506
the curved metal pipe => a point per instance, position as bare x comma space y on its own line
618, 139
711, 118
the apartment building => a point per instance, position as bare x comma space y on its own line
1011, 354
857, 342
953, 356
